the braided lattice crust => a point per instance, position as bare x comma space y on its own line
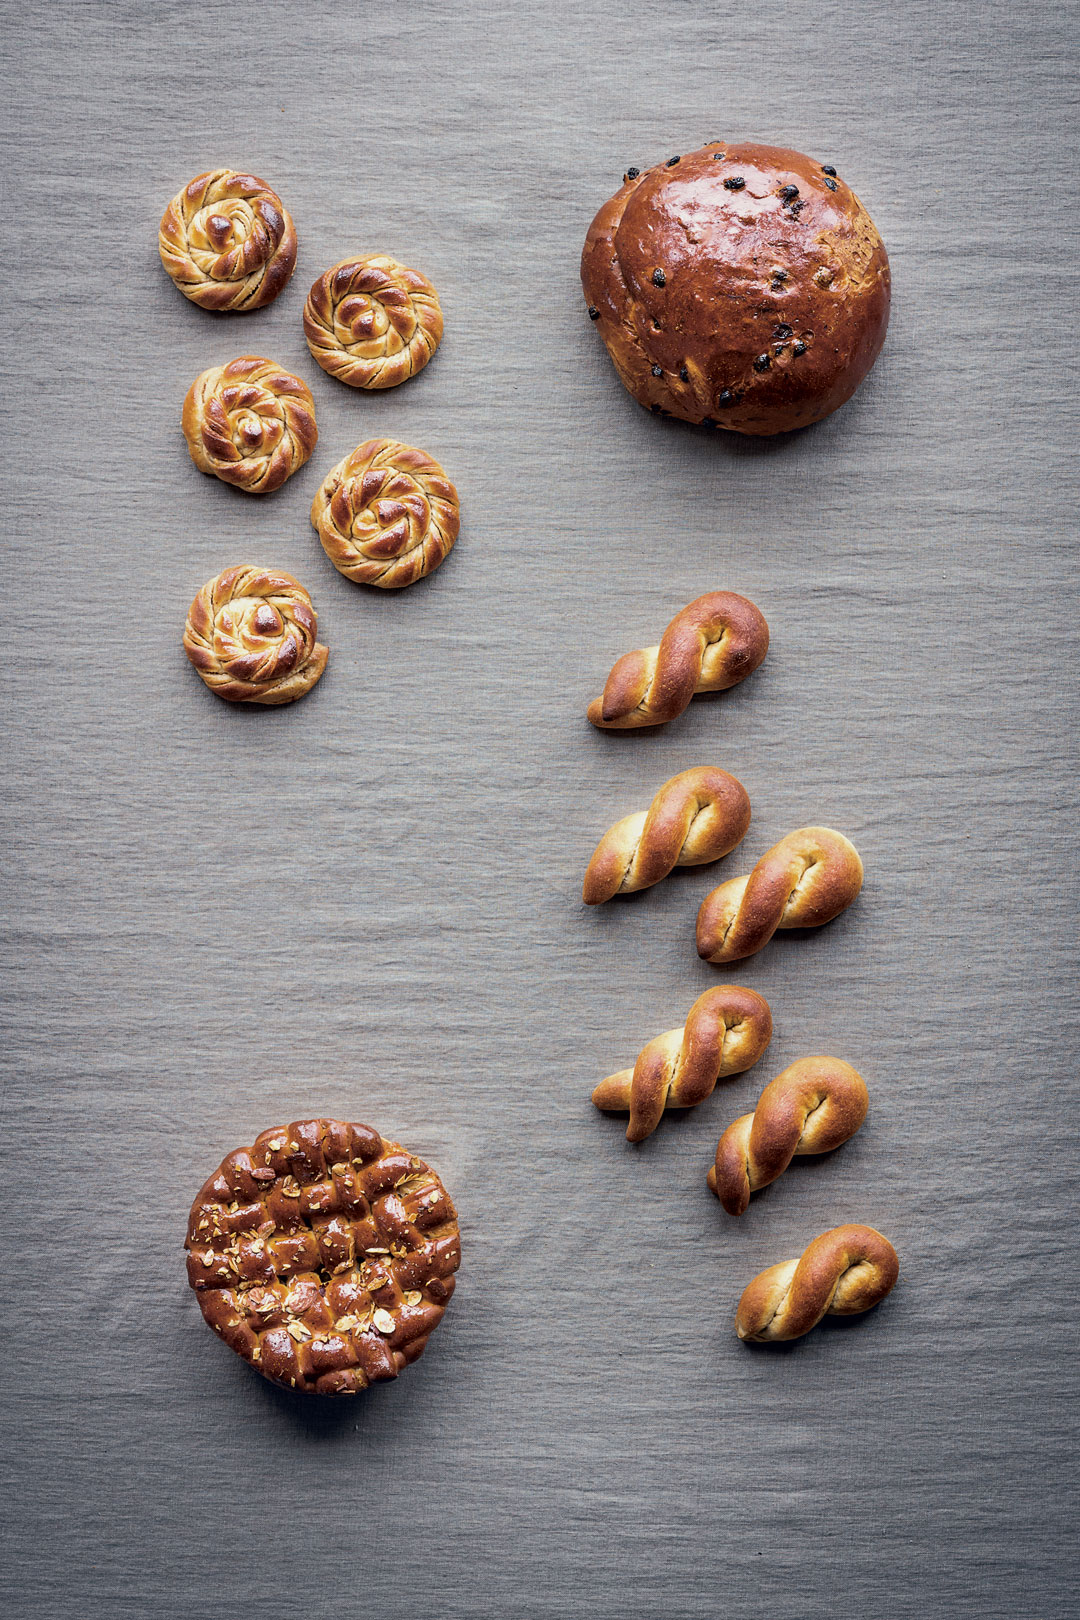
386, 515
696, 817
812, 1107
805, 880
251, 635
841, 1273
227, 242
250, 423
323, 1255
372, 322
712, 644
726, 1031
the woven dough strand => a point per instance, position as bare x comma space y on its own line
250, 633
812, 1107
372, 322
726, 1031
842, 1272
227, 241
386, 515
712, 644
696, 817
804, 881
250, 423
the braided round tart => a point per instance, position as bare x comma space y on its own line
386, 515
323, 1255
250, 423
227, 241
842, 1272
726, 1031
251, 634
710, 645
812, 1107
696, 817
804, 881
372, 322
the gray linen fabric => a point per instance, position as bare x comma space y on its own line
368, 904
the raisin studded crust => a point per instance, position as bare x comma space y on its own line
740, 286
324, 1255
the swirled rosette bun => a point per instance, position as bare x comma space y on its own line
251, 635
227, 241
250, 423
371, 322
324, 1255
386, 515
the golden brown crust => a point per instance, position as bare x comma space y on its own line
812, 1107
842, 1272
251, 634
386, 515
712, 644
696, 817
726, 1031
372, 322
250, 423
323, 1255
805, 880
227, 241
741, 286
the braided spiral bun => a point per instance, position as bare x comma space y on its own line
698, 816
812, 1107
250, 423
726, 1031
227, 242
805, 880
386, 515
251, 635
372, 322
712, 644
841, 1273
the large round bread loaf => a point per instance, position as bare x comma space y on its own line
740, 286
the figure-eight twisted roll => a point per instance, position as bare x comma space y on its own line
227, 241
805, 880
812, 1107
712, 644
251, 635
842, 1272
250, 423
386, 515
726, 1031
696, 817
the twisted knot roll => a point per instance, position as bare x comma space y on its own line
805, 880
726, 1031
812, 1107
386, 515
250, 423
251, 635
227, 241
696, 817
841, 1273
712, 644
372, 322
